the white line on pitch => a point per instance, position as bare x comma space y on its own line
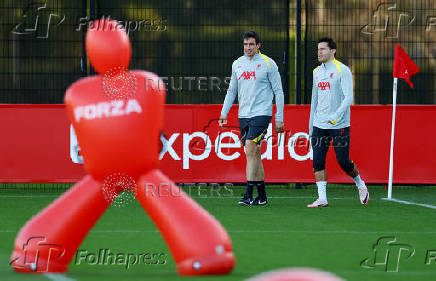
331, 231
199, 197
282, 231
58, 277
266, 231
274, 197
410, 203
30, 196
399, 272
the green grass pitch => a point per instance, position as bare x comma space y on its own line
283, 234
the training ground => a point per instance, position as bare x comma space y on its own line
283, 234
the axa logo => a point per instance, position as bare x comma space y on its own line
37, 254
107, 109
387, 254
247, 75
323, 85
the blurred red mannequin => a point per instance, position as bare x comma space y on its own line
120, 136
296, 274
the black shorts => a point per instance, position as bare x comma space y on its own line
254, 128
320, 141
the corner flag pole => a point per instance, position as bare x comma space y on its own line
404, 68
391, 156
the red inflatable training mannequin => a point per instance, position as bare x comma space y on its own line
296, 274
120, 136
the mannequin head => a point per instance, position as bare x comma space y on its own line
108, 46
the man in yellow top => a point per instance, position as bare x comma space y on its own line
256, 81
332, 96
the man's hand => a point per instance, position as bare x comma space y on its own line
278, 126
222, 121
333, 119
333, 122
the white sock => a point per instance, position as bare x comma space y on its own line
359, 182
322, 186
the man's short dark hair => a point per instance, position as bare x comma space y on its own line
330, 42
252, 34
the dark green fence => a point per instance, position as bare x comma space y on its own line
193, 44
366, 32
40, 50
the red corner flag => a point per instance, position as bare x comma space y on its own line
404, 67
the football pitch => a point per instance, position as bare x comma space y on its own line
383, 240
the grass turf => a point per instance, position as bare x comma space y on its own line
283, 234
